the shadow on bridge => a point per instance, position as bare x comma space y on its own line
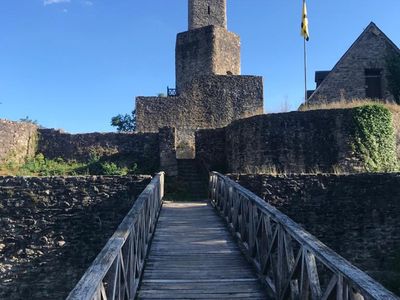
193, 256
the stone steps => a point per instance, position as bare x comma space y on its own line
190, 173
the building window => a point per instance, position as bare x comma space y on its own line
209, 10
373, 83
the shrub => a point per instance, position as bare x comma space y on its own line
40, 166
375, 139
112, 169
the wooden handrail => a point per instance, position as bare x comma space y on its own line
116, 271
291, 262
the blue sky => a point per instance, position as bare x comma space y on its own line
75, 64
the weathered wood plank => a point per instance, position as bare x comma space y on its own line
201, 286
271, 242
202, 295
193, 256
109, 269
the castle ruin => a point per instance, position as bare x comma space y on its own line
210, 90
48, 224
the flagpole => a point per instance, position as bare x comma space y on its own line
305, 71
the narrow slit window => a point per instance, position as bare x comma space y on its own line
209, 10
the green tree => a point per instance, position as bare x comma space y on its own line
393, 76
125, 123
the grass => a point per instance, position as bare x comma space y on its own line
41, 166
393, 107
265, 169
274, 171
353, 103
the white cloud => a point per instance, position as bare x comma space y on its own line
50, 2
87, 3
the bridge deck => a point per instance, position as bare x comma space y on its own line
194, 257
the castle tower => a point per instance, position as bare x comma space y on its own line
211, 93
207, 12
208, 48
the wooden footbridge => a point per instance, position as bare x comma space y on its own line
231, 246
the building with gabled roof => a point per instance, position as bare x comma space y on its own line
361, 73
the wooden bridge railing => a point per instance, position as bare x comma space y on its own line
116, 272
292, 263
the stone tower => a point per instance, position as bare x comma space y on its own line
208, 48
210, 92
207, 12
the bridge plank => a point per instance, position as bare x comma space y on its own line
194, 257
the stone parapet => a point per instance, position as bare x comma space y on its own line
358, 216
52, 228
209, 102
142, 149
296, 142
18, 141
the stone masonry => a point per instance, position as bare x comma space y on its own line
140, 148
347, 80
150, 151
52, 228
17, 141
200, 106
358, 216
207, 12
208, 50
295, 142
210, 91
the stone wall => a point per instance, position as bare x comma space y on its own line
226, 53
168, 162
51, 229
211, 149
142, 149
210, 93
18, 141
200, 106
358, 216
211, 102
295, 142
209, 50
347, 79
207, 12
